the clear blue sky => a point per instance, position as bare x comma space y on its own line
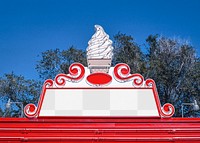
30, 27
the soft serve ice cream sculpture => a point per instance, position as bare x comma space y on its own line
99, 51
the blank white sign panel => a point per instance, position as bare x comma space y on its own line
99, 102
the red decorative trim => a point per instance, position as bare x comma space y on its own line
48, 83
30, 110
122, 74
150, 83
167, 110
76, 73
99, 79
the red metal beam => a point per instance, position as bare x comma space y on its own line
99, 129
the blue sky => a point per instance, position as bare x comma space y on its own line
30, 27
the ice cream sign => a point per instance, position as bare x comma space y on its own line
99, 52
99, 90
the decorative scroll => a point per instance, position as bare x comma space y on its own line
122, 74
30, 110
167, 110
150, 83
48, 83
76, 73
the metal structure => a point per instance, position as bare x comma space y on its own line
8, 106
195, 106
104, 130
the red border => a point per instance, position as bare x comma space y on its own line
107, 116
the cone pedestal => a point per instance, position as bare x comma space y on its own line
99, 65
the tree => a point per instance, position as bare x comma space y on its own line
50, 63
172, 64
70, 56
18, 89
55, 61
193, 84
127, 51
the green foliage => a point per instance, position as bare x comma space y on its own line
70, 56
127, 51
18, 89
172, 64
55, 61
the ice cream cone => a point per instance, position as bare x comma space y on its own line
99, 52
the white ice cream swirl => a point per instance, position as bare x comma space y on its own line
99, 46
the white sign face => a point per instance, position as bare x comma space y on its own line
99, 102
